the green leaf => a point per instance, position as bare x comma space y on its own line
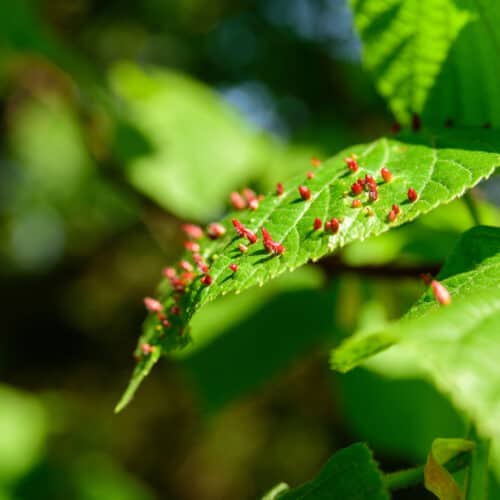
350, 473
434, 57
473, 267
439, 166
200, 148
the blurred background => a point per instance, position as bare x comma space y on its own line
121, 120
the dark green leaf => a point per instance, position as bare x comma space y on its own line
351, 474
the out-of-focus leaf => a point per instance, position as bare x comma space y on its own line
201, 149
350, 473
441, 167
435, 57
23, 430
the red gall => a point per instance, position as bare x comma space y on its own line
253, 204
412, 195
270, 245
396, 209
206, 279
170, 273
386, 174
392, 216
310, 175
152, 305
193, 231
315, 162
233, 267
191, 246
237, 201
279, 189
351, 163
215, 230
441, 293
373, 195
357, 188
243, 248
147, 349
185, 265
332, 226
356, 203
317, 224
305, 192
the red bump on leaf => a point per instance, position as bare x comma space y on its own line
356, 203
310, 175
412, 195
249, 195
233, 267
170, 273
243, 248
386, 174
317, 224
441, 293
305, 192
164, 321
237, 201
392, 216
396, 209
191, 246
351, 163
332, 226
356, 188
152, 305
315, 162
215, 230
270, 245
185, 265
176, 310
147, 349
193, 231
373, 195
279, 189
253, 204
240, 228
370, 182
206, 279
251, 236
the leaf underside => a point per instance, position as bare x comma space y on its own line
439, 166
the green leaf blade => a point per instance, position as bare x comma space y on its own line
419, 162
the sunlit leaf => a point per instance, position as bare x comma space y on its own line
439, 166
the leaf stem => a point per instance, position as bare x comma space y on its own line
414, 476
477, 478
471, 204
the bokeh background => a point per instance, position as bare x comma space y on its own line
120, 120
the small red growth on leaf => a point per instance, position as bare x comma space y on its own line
279, 189
200, 263
416, 123
237, 201
412, 195
175, 310
191, 246
147, 349
351, 163
249, 195
317, 224
185, 265
233, 267
332, 225
373, 195
357, 188
192, 231
392, 216
270, 245
315, 162
243, 248
253, 204
396, 209
152, 305
170, 273
356, 203
164, 321
310, 175
215, 230
240, 228
305, 192
386, 174
370, 182
206, 279
251, 236
441, 293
